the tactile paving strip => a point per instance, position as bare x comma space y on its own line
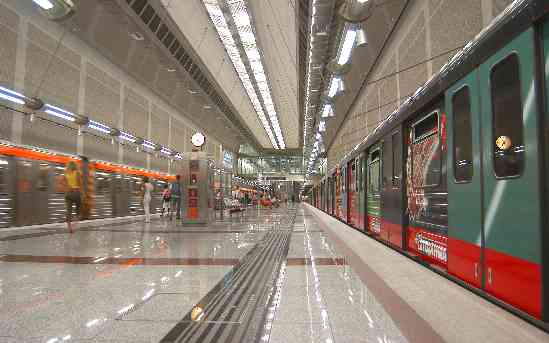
234, 310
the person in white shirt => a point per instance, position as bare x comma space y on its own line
146, 189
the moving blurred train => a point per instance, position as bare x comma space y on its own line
30, 192
457, 176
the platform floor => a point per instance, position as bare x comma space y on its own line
284, 275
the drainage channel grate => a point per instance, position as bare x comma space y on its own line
234, 311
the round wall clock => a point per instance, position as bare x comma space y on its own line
198, 139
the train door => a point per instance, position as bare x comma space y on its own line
391, 194
337, 193
24, 171
134, 196
497, 247
56, 209
351, 184
373, 200
464, 180
7, 191
344, 190
104, 195
511, 186
361, 200
121, 195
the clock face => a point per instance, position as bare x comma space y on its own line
198, 139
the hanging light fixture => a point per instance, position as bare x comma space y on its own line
361, 38
356, 11
328, 111
56, 9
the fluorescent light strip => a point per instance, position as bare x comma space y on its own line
127, 137
12, 96
348, 44
243, 23
99, 127
59, 115
61, 112
149, 144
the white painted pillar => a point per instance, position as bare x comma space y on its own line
121, 120
81, 102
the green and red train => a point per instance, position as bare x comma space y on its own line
457, 177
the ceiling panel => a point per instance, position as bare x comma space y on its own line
275, 26
202, 36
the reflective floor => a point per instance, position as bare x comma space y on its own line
266, 276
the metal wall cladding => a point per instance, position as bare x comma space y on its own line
159, 164
136, 113
102, 100
49, 135
99, 148
60, 84
8, 45
134, 158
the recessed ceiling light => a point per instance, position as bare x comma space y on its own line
171, 69
137, 36
191, 91
207, 107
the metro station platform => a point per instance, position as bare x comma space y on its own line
284, 275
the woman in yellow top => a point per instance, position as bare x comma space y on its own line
73, 196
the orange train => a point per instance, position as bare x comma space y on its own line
30, 192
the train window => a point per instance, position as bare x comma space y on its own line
426, 155
344, 180
426, 126
3, 172
463, 136
374, 171
43, 177
353, 177
507, 118
359, 174
397, 167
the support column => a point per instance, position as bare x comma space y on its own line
81, 103
149, 130
170, 145
121, 120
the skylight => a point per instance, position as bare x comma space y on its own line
241, 18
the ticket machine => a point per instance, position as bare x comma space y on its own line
197, 198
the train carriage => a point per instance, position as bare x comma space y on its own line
456, 176
30, 193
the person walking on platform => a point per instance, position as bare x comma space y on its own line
175, 191
73, 196
166, 198
146, 191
